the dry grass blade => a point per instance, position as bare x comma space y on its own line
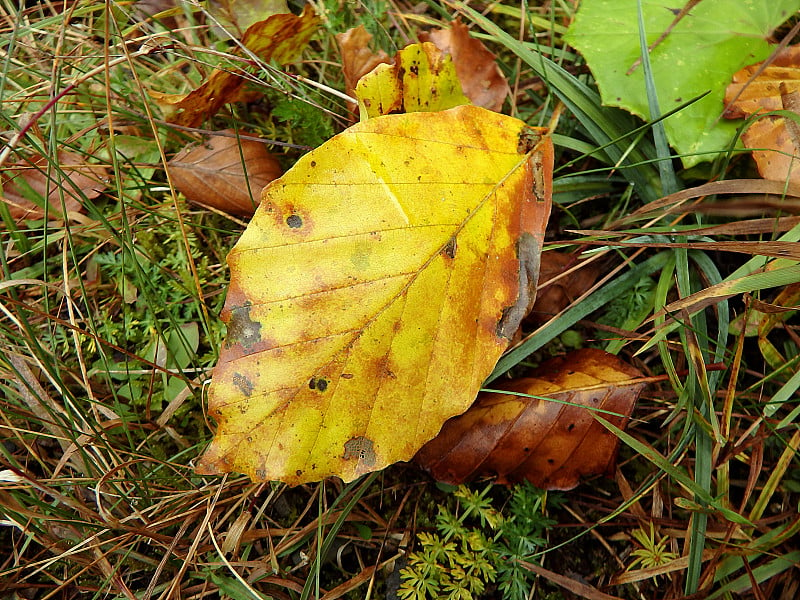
674, 202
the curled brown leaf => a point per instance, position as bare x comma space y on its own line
227, 172
543, 430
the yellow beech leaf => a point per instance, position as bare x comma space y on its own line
374, 290
422, 79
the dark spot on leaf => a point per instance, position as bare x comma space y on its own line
318, 383
571, 426
241, 329
250, 438
361, 449
414, 69
294, 221
528, 253
526, 449
298, 472
551, 461
313, 163
243, 383
450, 248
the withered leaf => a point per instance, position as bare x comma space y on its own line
775, 139
280, 38
357, 59
551, 440
241, 14
422, 79
481, 79
751, 92
70, 175
227, 172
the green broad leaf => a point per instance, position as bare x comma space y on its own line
698, 56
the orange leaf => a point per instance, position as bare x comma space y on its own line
481, 79
776, 87
69, 174
374, 290
279, 38
551, 440
226, 172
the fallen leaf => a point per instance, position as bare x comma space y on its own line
226, 172
374, 290
570, 278
357, 59
280, 39
38, 179
551, 440
775, 140
422, 79
481, 79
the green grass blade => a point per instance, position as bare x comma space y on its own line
669, 182
676, 473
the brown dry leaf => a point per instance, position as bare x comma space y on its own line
777, 87
280, 39
357, 60
78, 180
550, 442
552, 298
227, 173
481, 80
